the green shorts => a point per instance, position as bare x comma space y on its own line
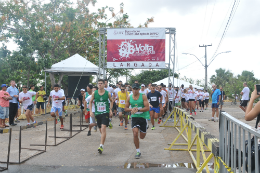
178, 104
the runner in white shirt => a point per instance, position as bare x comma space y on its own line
206, 98
245, 97
197, 99
57, 97
92, 119
177, 97
163, 101
172, 94
187, 99
25, 98
143, 90
192, 96
201, 100
183, 101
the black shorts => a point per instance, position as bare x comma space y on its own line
206, 101
141, 123
183, 100
63, 103
114, 106
243, 103
29, 107
170, 105
191, 100
102, 119
40, 104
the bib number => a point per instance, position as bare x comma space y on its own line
153, 99
101, 108
122, 102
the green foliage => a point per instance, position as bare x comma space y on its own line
147, 76
222, 77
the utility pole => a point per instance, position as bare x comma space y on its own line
206, 66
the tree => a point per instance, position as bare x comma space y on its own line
147, 76
221, 78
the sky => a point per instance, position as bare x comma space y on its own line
201, 22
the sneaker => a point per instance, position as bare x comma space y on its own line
195, 113
110, 125
201, 111
159, 121
153, 128
155, 120
16, 120
95, 128
126, 128
100, 150
121, 123
216, 119
89, 133
147, 126
211, 119
61, 126
138, 155
190, 113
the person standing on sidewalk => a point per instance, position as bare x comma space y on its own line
13, 104
40, 100
245, 97
215, 95
4, 105
223, 95
139, 110
102, 110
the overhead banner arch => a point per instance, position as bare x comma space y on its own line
136, 48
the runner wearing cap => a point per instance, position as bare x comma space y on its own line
143, 90
57, 97
81, 102
154, 98
4, 105
102, 110
121, 99
139, 110
25, 98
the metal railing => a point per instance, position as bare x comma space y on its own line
233, 145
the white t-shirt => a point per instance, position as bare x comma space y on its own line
197, 95
172, 94
187, 96
143, 92
206, 95
56, 103
63, 94
93, 103
245, 95
201, 95
178, 96
27, 98
191, 95
164, 94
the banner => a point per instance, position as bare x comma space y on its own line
136, 48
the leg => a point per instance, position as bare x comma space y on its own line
243, 109
61, 120
213, 112
217, 112
136, 139
126, 119
152, 117
27, 114
142, 135
103, 134
31, 117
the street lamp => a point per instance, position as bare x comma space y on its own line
206, 66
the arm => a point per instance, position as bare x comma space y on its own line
90, 105
146, 104
127, 103
251, 112
49, 100
111, 104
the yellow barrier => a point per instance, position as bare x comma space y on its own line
185, 124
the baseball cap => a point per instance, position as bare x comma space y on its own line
3, 85
143, 85
113, 86
182, 85
136, 85
82, 90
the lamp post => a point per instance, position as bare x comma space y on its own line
206, 65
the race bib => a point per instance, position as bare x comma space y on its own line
122, 102
101, 107
153, 99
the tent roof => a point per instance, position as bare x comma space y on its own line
75, 64
177, 82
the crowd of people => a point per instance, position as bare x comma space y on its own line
100, 104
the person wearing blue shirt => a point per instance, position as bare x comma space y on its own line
215, 95
13, 104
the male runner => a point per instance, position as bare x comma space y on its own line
57, 98
102, 110
172, 94
163, 101
112, 91
245, 97
86, 104
25, 97
122, 96
154, 104
92, 119
139, 111
143, 90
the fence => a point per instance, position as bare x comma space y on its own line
234, 147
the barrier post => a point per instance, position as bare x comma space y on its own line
9, 146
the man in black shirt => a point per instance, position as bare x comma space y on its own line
223, 95
153, 99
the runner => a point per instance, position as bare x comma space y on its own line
4, 105
64, 102
40, 101
102, 110
114, 110
81, 97
139, 111
177, 97
92, 119
25, 98
32, 87
215, 95
154, 98
163, 101
183, 102
206, 97
187, 99
172, 94
192, 96
245, 97
113, 92
86, 103
57, 97
122, 96
143, 90
201, 100
197, 102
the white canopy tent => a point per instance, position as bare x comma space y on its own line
74, 65
177, 82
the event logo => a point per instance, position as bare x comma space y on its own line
129, 48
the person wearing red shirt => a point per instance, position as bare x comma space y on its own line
4, 105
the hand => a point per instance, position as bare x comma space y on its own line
164, 105
161, 108
254, 94
134, 110
55, 98
22, 99
34, 102
92, 114
16, 96
151, 106
218, 103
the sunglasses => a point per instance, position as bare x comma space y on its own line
122, 89
135, 88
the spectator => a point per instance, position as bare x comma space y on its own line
245, 97
13, 104
40, 100
223, 96
215, 95
4, 105
251, 112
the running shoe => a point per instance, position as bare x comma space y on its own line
190, 113
110, 125
155, 120
126, 128
138, 155
89, 133
95, 128
195, 113
100, 150
211, 119
216, 119
159, 121
121, 123
153, 128
62, 127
